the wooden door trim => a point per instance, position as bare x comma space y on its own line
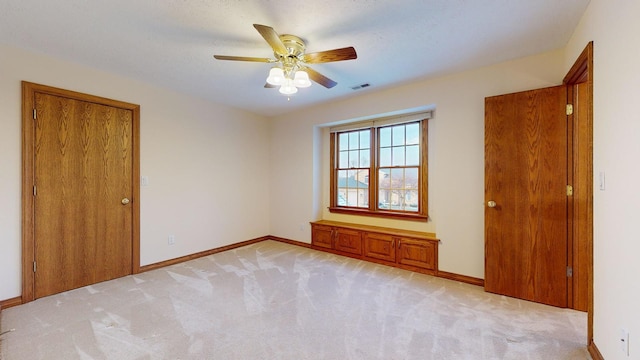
28, 174
582, 72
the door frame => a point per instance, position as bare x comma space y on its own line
28, 175
582, 72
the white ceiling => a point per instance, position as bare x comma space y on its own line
170, 43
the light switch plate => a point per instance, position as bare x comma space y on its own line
624, 341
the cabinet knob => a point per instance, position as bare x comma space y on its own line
491, 204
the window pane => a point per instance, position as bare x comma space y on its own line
342, 174
363, 178
342, 197
398, 135
398, 155
411, 200
385, 137
363, 198
364, 158
342, 188
344, 160
411, 178
353, 140
353, 158
384, 179
385, 157
365, 139
413, 155
397, 178
398, 200
352, 174
413, 134
352, 197
343, 141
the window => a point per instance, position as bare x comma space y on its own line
380, 168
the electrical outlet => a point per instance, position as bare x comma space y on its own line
171, 240
624, 341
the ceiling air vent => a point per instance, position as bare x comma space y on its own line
361, 86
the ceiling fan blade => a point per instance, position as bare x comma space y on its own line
268, 86
272, 38
348, 53
320, 79
243, 58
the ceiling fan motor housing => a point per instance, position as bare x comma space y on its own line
294, 45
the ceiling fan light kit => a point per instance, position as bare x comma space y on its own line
288, 85
292, 72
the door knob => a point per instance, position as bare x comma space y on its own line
125, 201
491, 203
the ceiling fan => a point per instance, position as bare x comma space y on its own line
292, 71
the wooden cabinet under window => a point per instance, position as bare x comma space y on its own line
410, 250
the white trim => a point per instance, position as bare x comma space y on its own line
382, 121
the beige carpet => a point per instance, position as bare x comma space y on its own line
276, 301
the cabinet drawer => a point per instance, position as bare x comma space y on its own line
379, 246
417, 253
348, 241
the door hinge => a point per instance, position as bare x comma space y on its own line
35, 114
569, 271
35, 192
34, 266
569, 190
569, 109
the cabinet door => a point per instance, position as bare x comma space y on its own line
322, 236
348, 241
379, 246
417, 253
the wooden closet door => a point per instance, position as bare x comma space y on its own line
526, 195
83, 192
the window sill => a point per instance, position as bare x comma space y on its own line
380, 213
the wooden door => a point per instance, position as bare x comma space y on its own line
83, 176
526, 195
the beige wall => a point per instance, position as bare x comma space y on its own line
299, 178
205, 163
182, 139
614, 28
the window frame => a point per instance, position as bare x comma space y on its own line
374, 168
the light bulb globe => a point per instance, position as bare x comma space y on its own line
301, 79
276, 76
